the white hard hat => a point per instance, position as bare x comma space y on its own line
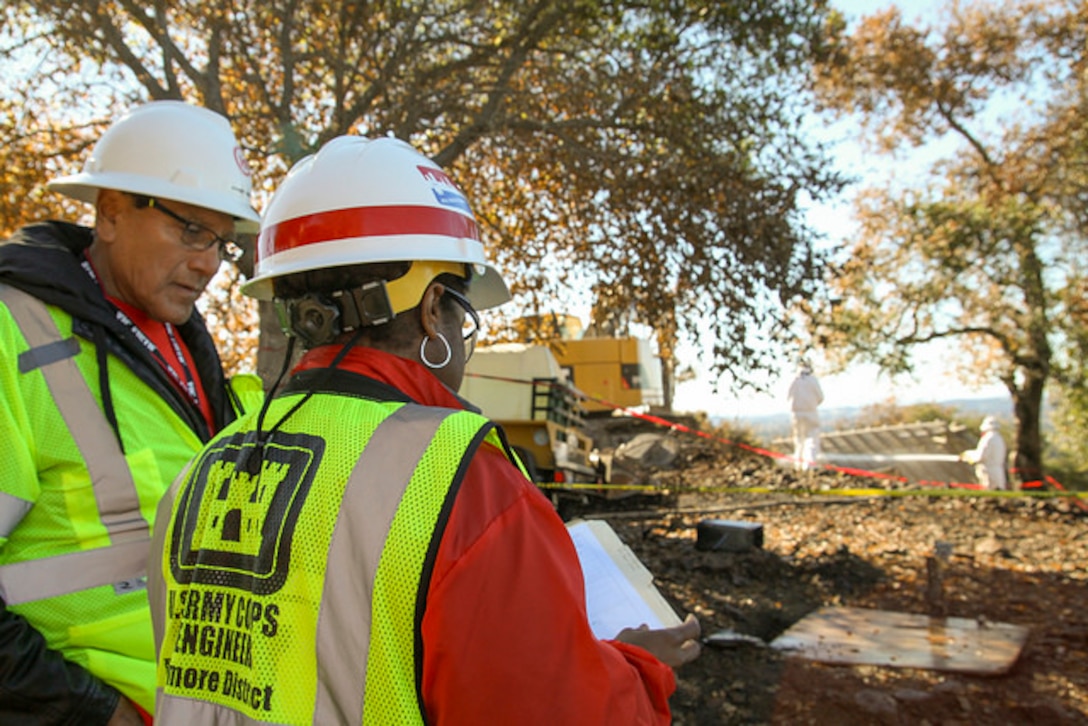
988, 424
359, 201
171, 150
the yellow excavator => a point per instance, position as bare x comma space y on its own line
543, 392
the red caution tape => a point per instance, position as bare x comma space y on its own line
673, 426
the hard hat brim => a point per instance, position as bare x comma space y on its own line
487, 288
84, 187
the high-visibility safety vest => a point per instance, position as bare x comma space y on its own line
75, 511
293, 592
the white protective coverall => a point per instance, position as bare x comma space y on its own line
989, 456
805, 396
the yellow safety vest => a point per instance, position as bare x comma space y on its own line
273, 585
75, 512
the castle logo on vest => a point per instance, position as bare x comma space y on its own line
234, 521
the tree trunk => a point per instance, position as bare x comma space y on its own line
1033, 367
1027, 403
666, 331
667, 385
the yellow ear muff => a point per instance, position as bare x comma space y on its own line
406, 291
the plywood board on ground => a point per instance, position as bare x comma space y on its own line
879, 637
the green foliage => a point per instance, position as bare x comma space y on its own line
980, 252
1067, 444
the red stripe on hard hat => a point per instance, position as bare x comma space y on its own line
364, 222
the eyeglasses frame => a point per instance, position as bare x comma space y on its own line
469, 338
229, 249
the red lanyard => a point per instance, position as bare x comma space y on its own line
186, 386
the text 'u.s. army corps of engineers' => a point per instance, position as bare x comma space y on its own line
221, 625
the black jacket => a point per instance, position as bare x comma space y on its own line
37, 685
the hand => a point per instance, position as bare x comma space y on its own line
673, 646
125, 714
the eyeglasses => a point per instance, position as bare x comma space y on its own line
470, 326
194, 234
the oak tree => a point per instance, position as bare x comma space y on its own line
986, 250
649, 149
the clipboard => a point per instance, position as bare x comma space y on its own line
620, 591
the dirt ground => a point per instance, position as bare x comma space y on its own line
1022, 561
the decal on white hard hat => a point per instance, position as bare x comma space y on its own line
359, 201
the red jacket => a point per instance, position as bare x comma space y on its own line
505, 634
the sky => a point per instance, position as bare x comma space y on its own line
934, 379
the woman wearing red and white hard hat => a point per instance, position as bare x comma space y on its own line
406, 569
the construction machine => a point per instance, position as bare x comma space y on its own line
525, 390
612, 372
568, 400
615, 371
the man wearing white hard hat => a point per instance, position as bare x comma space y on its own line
394, 562
989, 457
109, 383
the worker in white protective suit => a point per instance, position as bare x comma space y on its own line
805, 396
989, 456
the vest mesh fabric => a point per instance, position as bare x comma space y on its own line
272, 633
391, 675
256, 550
105, 630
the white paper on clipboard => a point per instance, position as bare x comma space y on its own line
620, 591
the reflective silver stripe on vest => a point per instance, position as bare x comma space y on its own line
114, 489
156, 587
44, 355
120, 565
371, 497
12, 511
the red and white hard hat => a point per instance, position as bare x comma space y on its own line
171, 150
359, 201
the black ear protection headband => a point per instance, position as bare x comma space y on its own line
317, 319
